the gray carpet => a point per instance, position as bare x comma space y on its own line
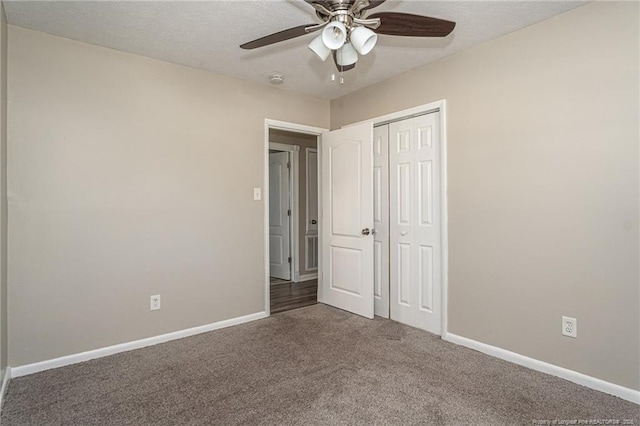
315, 365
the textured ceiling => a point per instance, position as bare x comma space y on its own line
207, 34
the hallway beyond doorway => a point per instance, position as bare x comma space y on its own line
287, 295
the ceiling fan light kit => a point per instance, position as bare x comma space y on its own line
347, 32
334, 35
346, 55
363, 39
318, 47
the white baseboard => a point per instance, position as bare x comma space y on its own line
24, 370
534, 364
5, 385
306, 277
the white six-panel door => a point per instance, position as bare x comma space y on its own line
347, 219
279, 218
415, 222
381, 220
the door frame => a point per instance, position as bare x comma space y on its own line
441, 106
294, 154
296, 128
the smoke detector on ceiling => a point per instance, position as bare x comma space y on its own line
276, 78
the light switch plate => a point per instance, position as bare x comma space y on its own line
257, 193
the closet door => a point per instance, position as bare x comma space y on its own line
415, 222
381, 220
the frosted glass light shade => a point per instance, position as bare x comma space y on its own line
318, 47
347, 55
363, 39
334, 35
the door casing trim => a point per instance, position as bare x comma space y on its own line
291, 127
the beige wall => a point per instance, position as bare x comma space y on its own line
3, 192
131, 177
304, 142
543, 185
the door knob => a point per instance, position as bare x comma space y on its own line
313, 221
366, 231
403, 233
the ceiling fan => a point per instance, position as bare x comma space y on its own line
347, 29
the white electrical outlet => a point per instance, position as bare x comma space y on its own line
155, 302
570, 327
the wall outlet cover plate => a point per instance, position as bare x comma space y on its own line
569, 327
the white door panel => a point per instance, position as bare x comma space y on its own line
381, 219
415, 222
279, 219
347, 209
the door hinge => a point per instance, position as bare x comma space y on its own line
288, 164
289, 212
289, 259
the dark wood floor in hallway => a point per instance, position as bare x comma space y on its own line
289, 295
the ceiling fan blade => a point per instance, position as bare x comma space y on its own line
342, 68
278, 37
406, 24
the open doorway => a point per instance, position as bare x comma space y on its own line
293, 219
